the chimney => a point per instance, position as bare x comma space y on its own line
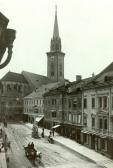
78, 77
93, 75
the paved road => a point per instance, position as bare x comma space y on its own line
52, 154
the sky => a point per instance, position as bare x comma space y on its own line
85, 28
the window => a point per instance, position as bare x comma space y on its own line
93, 122
19, 88
52, 101
85, 120
104, 101
16, 87
100, 102
52, 69
8, 87
1, 88
93, 102
69, 103
60, 69
70, 117
52, 73
112, 102
85, 103
100, 123
54, 114
79, 119
65, 101
79, 103
75, 103
105, 123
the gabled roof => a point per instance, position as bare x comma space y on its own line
14, 77
38, 93
59, 88
35, 80
108, 71
79, 85
109, 68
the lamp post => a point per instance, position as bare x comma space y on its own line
7, 37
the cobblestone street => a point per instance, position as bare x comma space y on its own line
52, 154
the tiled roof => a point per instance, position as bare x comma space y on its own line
108, 71
35, 80
38, 93
14, 77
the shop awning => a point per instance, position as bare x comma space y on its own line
85, 131
39, 118
56, 126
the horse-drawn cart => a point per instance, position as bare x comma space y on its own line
33, 155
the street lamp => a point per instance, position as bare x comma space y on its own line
7, 36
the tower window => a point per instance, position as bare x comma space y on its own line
52, 73
60, 68
52, 69
60, 73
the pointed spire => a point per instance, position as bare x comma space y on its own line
56, 29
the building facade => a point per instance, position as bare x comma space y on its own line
97, 132
34, 103
13, 87
86, 111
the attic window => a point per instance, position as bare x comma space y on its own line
107, 78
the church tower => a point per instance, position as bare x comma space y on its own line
55, 58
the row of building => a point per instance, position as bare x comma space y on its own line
81, 110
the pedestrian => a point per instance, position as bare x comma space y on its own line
53, 131
1, 132
42, 132
32, 145
50, 133
5, 137
43, 129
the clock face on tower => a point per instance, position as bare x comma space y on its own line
52, 57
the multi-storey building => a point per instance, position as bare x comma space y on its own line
84, 111
73, 122
34, 103
97, 132
63, 106
13, 87
54, 107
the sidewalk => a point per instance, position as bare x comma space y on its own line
80, 149
3, 163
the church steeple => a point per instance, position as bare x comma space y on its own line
55, 57
55, 41
56, 29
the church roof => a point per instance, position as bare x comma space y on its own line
14, 77
35, 80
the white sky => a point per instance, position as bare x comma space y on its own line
86, 31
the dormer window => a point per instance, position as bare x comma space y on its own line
108, 78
